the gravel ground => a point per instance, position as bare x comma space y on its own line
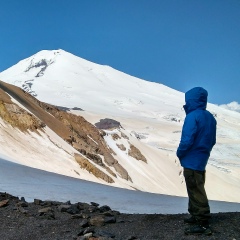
54, 220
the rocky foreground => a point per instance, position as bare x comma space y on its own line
56, 220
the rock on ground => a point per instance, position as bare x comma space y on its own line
56, 221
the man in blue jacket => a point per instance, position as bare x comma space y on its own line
197, 140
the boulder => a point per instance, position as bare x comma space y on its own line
107, 123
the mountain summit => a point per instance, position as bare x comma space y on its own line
119, 130
61, 78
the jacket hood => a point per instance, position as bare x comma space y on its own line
196, 98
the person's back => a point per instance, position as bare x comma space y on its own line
199, 131
206, 133
197, 140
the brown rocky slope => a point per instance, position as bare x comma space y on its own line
82, 135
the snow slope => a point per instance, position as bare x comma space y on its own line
150, 113
33, 183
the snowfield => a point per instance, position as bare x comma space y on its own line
34, 183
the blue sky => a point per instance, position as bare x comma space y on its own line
179, 43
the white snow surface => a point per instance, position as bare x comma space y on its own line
37, 184
151, 116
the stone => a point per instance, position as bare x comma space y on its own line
46, 203
94, 204
107, 124
104, 208
84, 223
37, 201
88, 235
110, 219
22, 204
85, 215
88, 230
110, 213
103, 233
22, 210
73, 209
45, 210
92, 209
97, 221
83, 206
47, 213
4, 203
80, 232
63, 207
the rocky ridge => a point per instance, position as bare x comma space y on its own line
82, 135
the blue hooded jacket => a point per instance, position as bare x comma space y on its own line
198, 133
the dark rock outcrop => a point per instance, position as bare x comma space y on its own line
107, 123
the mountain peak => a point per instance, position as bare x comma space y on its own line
60, 75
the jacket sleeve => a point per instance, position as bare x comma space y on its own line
188, 134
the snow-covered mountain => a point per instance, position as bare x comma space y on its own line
150, 116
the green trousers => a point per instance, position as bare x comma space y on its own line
198, 202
